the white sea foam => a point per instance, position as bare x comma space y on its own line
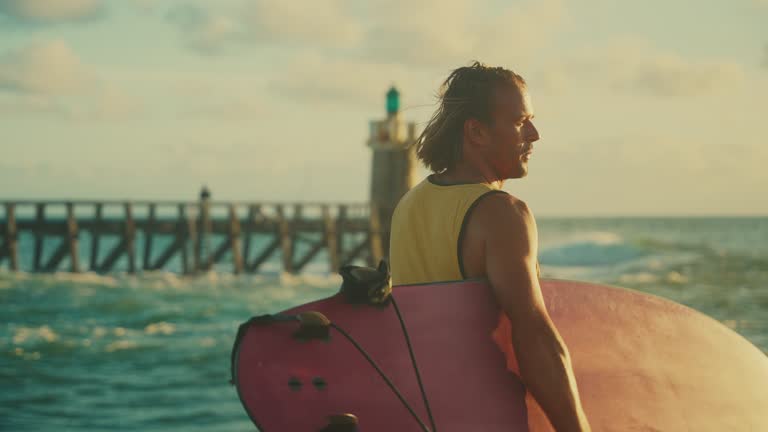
638, 278
207, 342
24, 335
309, 279
85, 278
591, 237
161, 327
33, 355
676, 278
121, 345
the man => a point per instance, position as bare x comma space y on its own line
459, 224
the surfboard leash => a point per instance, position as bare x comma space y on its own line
315, 325
384, 376
413, 361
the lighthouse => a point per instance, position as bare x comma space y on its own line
393, 170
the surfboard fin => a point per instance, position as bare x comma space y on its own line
313, 325
341, 423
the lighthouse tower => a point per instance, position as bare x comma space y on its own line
394, 162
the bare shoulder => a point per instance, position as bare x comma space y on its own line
506, 227
504, 210
510, 257
500, 234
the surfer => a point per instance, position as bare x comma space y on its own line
458, 223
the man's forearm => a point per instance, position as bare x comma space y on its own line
545, 368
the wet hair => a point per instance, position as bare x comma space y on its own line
466, 93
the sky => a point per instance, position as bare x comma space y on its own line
644, 108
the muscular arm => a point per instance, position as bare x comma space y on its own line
511, 267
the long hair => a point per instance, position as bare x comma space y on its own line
466, 93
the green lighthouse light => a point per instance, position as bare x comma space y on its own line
393, 101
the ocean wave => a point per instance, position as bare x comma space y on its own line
162, 328
84, 279
598, 248
121, 345
671, 277
33, 335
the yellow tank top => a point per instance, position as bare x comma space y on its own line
426, 231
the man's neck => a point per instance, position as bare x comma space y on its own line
463, 175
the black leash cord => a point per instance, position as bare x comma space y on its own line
415, 366
383, 376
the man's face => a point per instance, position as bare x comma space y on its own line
511, 134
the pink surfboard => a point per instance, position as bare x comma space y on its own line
642, 363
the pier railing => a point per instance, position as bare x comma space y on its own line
188, 237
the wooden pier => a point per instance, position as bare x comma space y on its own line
201, 235
191, 237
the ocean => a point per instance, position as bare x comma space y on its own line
150, 352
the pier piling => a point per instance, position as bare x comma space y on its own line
143, 236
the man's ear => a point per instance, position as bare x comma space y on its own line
474, 132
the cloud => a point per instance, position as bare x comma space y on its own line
205, 31
324, 22
44, 67
47, 77
413, 38
430, 33
635, 65
107, 102
415, 50
347, 55
146, 6
434, 32
671, 75
214, 31
219, 96
50, 11
37, 105
228, 110
315, 78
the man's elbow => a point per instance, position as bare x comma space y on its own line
539, 338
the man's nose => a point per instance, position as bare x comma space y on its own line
533, 133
